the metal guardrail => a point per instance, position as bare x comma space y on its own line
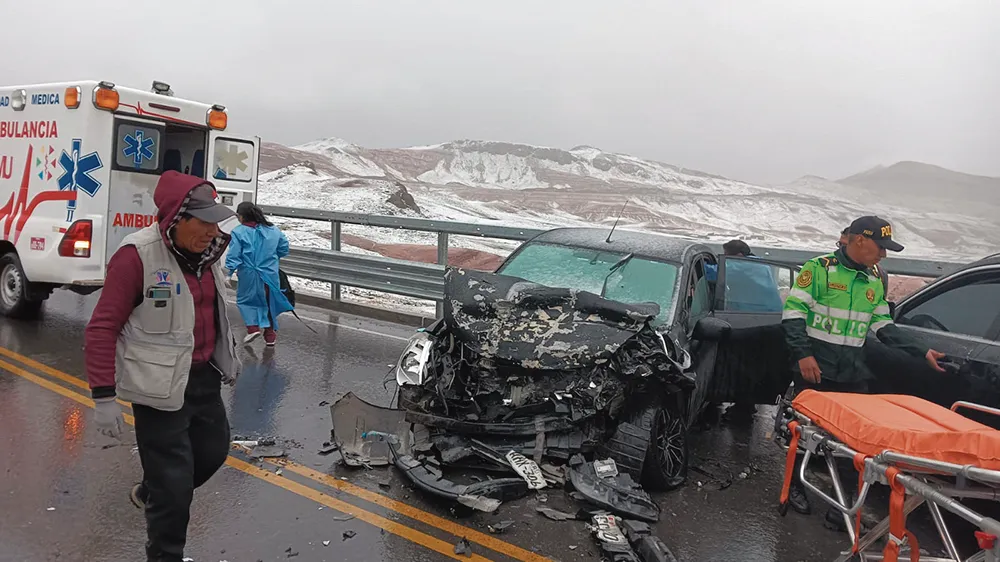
414, 279
425, 281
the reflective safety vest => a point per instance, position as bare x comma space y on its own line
829, 312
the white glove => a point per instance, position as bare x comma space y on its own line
108, 415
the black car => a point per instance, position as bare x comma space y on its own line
605, 345
957, 314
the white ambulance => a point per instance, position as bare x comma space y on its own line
78, 165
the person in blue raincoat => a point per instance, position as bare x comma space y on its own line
254, 251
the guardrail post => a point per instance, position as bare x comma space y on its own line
443, 260
335, 246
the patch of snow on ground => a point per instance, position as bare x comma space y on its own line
480, 169
344, 156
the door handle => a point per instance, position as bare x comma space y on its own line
951, 364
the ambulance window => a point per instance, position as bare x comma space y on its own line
233, 160
137, 147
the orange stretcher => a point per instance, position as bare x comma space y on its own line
925, 453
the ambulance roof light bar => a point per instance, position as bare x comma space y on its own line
105, 96
162, 88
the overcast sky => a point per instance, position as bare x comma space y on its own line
758, 90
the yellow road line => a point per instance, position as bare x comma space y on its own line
59, 389
67, 378
414, 513
430, 542
54, 373
430, 519
401, 530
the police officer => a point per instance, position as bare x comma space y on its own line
160, 338
877, 268
837, 299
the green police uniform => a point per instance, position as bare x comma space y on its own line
829, 312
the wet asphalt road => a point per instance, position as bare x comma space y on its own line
63, 493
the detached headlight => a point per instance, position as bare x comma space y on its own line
412, 364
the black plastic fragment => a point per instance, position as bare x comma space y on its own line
619, 495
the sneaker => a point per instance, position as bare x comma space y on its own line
251, 337
270, 336
138, 495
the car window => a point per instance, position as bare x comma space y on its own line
637, 280
642, 280
970, 309
699, 293
754, 286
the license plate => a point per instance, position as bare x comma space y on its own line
527, 469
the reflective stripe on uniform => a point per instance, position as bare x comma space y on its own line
794, 314
879, 325
802, 296
827, 311
835, 339
882, 310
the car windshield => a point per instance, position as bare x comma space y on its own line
636, 279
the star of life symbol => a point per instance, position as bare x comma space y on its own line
231, 161
138, 148
76, 174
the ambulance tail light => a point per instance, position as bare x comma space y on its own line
217, 118
77, 240
105, 96
72, 97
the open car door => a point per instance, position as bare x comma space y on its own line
232, 167
753, 362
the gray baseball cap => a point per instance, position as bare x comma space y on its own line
202, 205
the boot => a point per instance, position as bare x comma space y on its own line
798, 500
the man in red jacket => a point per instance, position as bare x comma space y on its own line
160, 339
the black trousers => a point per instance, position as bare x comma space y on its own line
845, 467
179, 452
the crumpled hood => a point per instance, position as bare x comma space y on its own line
538, 327
171, 198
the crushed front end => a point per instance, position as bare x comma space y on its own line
545, 372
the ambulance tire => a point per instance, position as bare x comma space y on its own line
16, 298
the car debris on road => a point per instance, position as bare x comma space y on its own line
534, 387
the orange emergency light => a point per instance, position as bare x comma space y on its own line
72, 97
217, 118
105, 96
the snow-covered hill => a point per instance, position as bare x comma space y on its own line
531, 186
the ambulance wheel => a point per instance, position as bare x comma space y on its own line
15, 292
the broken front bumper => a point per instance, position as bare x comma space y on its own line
369, 435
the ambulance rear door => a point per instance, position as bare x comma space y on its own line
136, 165
233, 163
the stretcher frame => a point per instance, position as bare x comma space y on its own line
922, 481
